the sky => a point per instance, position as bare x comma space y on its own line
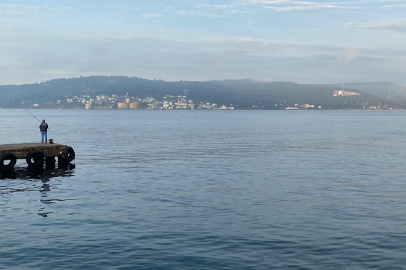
199, 40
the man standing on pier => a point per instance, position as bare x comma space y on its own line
43, 128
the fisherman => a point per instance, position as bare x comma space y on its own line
43, 128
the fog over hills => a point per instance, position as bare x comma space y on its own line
243, 94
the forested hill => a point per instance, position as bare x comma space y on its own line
60, 89
248, 92
243, 94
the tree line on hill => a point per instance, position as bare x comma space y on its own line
242, 94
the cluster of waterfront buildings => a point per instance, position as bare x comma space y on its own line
181, 102
303, 106
101, 101
170, 103
126, 102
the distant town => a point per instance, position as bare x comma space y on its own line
121, 92
171, 102
168, 102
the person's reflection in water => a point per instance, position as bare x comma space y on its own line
44, 194
45, 187
44, 176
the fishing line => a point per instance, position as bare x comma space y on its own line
32, 114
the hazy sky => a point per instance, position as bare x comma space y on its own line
299, 41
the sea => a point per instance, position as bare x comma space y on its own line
208, 189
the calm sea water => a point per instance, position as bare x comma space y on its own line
209, 190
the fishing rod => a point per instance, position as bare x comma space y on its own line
31, 114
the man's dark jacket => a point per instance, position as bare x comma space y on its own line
43, 127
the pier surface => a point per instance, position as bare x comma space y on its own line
21, 150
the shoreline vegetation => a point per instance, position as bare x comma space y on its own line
122, 92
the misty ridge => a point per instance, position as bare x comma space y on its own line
241, 94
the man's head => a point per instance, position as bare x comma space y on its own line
43, 121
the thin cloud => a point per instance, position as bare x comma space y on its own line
394, 6
237, 58
219, 11
214, 6
387, 1
394, 25
236, 11
289, 5
12, 9
349, 55
199, 13
237, 6
151, 15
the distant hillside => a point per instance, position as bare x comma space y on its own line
243, 94
60, 89
248, 92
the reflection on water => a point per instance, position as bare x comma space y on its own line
40, 180
210, 190
37, 173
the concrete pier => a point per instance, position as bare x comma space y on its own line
35, 154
